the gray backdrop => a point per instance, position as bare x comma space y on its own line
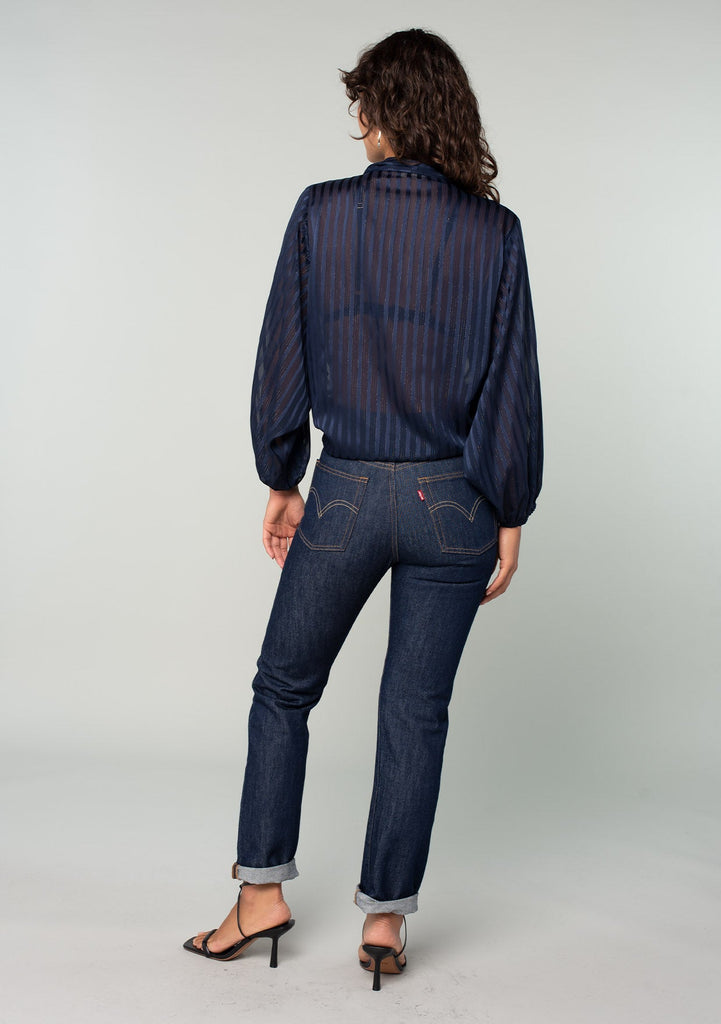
153, 153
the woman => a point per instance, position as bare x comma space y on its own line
400, 313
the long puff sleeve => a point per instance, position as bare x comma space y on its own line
503, 454
280, 403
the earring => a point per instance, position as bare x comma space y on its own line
379, 140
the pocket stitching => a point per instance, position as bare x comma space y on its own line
446, 549
354, 509
470, 516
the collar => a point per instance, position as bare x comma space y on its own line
406, 165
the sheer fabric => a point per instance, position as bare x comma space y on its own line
400, 313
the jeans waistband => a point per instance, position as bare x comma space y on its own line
451, 463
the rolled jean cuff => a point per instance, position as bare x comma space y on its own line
405, 905
277, 873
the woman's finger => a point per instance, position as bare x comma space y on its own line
279, 547
267, 542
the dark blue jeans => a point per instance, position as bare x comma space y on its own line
439, 537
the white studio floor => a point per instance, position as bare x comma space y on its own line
551, 914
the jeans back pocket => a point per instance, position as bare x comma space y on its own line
464, 520
333, 504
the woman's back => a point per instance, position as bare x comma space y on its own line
400, 312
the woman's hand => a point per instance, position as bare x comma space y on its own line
282, 516
509, 541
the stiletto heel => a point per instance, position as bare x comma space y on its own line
275, 934
378, 954
384, 959
232, 952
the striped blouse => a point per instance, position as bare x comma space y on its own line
400, 314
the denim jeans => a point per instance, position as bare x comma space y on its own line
439, 537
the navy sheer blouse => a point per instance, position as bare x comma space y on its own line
400, 314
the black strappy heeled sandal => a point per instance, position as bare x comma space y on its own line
234, 951
384, 959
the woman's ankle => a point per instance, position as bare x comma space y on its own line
382, 928
263, 892
387, 917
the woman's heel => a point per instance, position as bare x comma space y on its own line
275, 934
383, 959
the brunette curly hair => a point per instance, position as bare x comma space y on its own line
413, 86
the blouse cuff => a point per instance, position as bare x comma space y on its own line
519, 520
